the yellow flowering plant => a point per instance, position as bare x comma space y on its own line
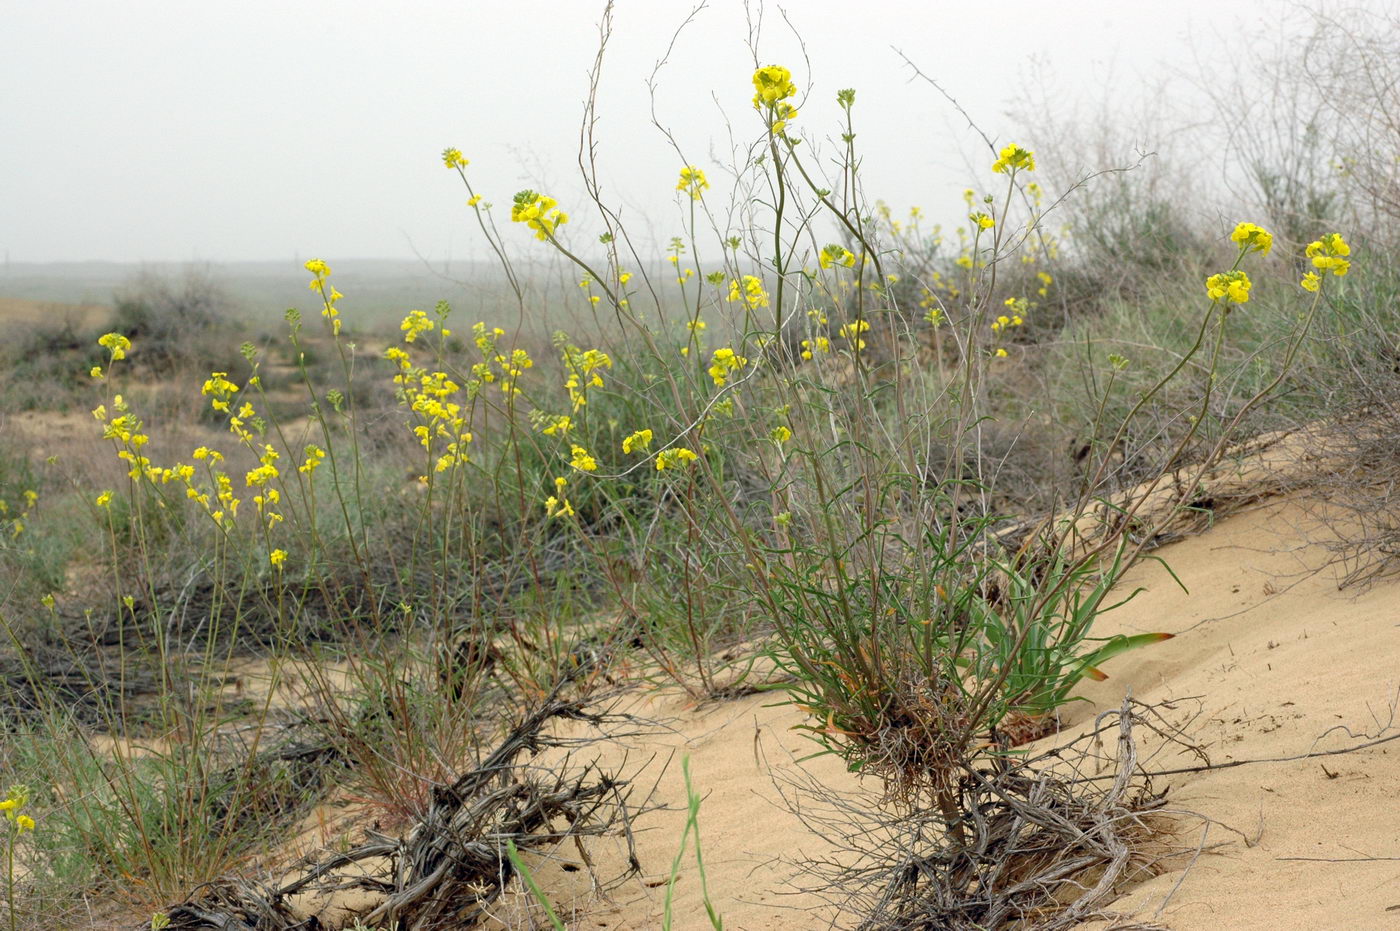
820, 392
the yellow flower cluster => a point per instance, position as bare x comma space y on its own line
262, 478
724, 362
125, 430
431, 396
221, 393
1329, 254
222, 507
494, 363
452, 158
408, 374
1232, 286
1252, 238
116, 344
415, 325
692, 181
674, 458
750, 291
820, 344
851, 332
552, 425
13, 807
834, 254
581, 460
440, 418
315, 455
1014, 158
584, 368
539, 212
1004, 322
221, 389
320, 283
772, 86
638, 440
556, 505
983, 221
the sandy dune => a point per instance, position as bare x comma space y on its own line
1271, 660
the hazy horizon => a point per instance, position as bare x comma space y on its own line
262, 132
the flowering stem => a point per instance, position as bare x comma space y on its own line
10, 874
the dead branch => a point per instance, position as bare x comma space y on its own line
451, 865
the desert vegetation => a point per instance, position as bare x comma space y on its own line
814, 448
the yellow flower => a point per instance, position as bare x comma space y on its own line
780, 435
983, 221
1001, 353
853, 331
783, 111
641, 439
104, 499
95, 371
115, 342
558, 507
1328, 254
415, 325
473, 200
557, 425
722, 363
1310, 281
1232, 286
24, 823
539, 212
452, 158
318, 268
772, 84
1253, 238
834, 254
692, 181
314, 456
750, 291
581, 460
1014, 158
277, 557
47, 601
674, 458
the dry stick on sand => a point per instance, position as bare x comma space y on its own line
452, 864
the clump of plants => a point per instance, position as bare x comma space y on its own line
773, 444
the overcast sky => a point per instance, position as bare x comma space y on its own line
242, 130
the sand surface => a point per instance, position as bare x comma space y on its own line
1271, 660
